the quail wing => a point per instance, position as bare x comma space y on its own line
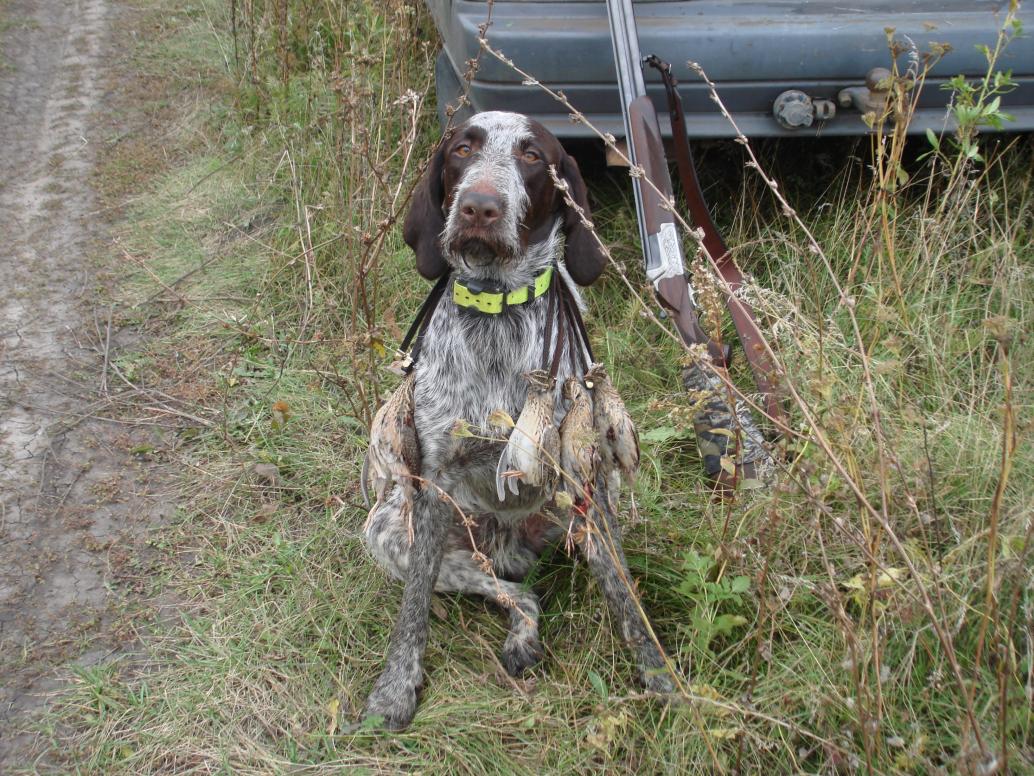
394, 452
531, 451
619, 440
579, 442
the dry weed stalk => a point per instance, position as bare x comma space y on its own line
374, 139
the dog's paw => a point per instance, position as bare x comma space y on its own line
520, 653
392, 701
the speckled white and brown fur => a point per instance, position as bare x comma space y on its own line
472, 364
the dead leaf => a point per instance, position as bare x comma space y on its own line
266, 474
725, 432
332, 709
280, 412
438, 609
461, 429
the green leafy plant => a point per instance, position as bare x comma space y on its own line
717, 603
977, 104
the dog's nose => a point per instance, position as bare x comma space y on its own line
480, 209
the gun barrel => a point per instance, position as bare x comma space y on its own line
627, 58
662, 248
625, 41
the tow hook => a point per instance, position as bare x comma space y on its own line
794, 109
871, 98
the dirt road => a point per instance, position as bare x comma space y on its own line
74, 504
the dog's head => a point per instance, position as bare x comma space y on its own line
487, 196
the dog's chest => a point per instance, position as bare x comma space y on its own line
470, 366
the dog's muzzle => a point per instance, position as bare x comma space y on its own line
479, 250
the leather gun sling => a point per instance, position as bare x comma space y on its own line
742, 317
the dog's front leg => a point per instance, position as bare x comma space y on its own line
394, 695
600, 543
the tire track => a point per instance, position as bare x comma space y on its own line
71, 500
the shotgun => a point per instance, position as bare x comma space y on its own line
729, 440
662, 247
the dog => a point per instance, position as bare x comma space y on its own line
488, 213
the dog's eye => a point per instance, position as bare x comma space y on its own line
530, 156
463, 150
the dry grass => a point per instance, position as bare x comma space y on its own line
872, 612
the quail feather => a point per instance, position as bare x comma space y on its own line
394, 452
619, 440
579, 442
533, 448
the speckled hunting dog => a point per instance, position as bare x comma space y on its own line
488, 213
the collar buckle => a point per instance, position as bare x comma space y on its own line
481, 286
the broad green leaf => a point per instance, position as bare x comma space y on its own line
740, 584
661, 434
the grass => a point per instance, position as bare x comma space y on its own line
8, 23
797, 613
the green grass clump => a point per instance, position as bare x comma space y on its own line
838, 621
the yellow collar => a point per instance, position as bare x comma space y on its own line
490, 300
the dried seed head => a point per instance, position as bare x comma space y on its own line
500, 419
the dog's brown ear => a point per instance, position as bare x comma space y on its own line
583, 256
425, 219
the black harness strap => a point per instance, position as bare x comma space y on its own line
576, 314
551, 312
561, 336
577, 355
569, 324
579, 333
418, 327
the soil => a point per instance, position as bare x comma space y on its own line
78, 496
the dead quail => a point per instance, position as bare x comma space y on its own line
394, 452
579, 442
619, 441
534, 446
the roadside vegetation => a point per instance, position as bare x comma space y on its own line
871, 612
